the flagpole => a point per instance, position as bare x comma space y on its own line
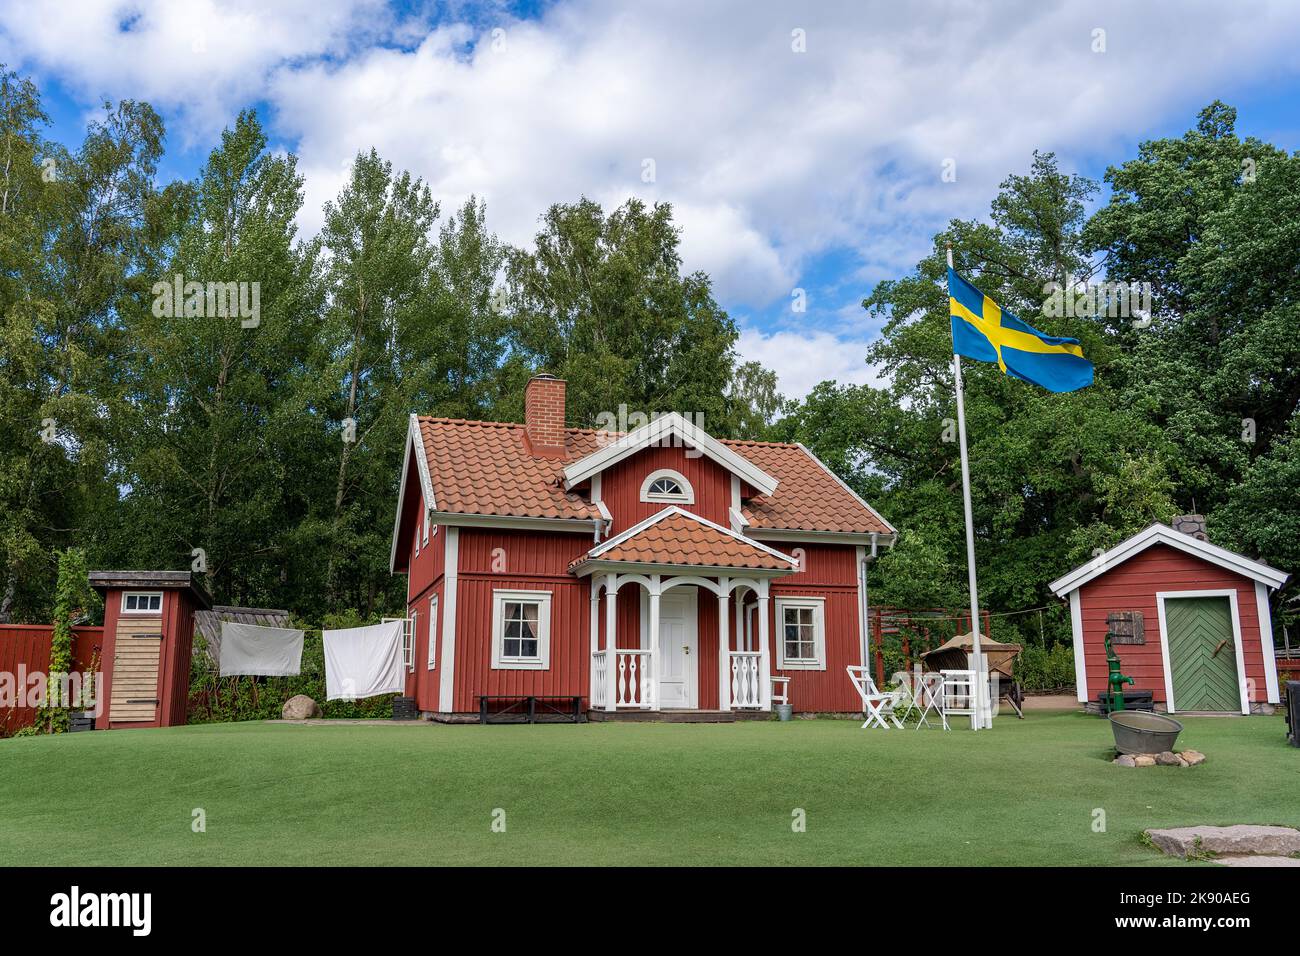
977, 654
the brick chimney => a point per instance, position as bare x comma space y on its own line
544, 414
1191, 524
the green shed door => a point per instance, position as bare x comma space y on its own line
1202, 654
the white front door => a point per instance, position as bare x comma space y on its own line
678, 649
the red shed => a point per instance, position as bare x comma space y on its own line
148, 636
1189, 620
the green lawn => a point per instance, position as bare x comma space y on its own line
626, 793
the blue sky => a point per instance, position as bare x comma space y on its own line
801, 148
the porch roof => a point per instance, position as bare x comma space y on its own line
678, 538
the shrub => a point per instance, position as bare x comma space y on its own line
1050, 668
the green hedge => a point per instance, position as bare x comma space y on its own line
1052, 668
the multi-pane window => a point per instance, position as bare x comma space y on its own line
520, 638
665, 487
433, 631
521, 628
142, 602
802, 635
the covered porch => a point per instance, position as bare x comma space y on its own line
679, 618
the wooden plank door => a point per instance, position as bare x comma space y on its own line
1202, 654
136, 663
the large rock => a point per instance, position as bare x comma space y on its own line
1125, 760
300, 707
1168, 758
1239, 840
1193, 757
1144, 760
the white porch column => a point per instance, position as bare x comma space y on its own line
765, 651
611, 639
724, 647
650, 668
595, 638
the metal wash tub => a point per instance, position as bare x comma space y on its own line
1142, 732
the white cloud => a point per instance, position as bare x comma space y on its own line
803, 359
772, 158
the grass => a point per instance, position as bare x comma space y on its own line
1024, 793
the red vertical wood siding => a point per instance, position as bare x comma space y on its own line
1132, 586
27, 647
621, 486
830, 572
525, 561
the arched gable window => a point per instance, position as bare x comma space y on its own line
667, 485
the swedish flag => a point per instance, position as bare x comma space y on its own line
982, 331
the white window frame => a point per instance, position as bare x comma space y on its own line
687, 496
140, 594
433, 632
818, 606
408, 639
424, 537
543, 659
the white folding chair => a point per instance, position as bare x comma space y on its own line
928, 691
876, 707
959, 695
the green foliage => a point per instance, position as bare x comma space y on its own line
216, 699
1045, 668
73, 597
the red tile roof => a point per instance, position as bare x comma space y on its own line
488, 468
681, 538
808, 497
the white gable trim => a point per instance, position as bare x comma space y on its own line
414, 440
856, 497
1266, 642
664, 427
658, 516
1163, 534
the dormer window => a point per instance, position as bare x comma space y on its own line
667, 485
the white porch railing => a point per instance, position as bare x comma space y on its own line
746, 679
634, 680
599, 680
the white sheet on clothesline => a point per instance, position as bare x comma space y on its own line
253, 650
364, 661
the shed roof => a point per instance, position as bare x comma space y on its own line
1163, 534
103, 581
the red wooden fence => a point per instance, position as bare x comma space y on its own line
25, 649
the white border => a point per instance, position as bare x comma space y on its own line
146, 612
1266, 643
1163, 534
451, 563
426, 485
687, 497
818, 604
433, 632
1231, 595
657, 430
542, 661
1080, 663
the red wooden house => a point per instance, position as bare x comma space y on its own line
659, 569
1189, 621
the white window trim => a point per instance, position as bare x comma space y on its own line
146, 612
818, 604
687, 497
410, 648
543, 659
433, 632
424, 536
